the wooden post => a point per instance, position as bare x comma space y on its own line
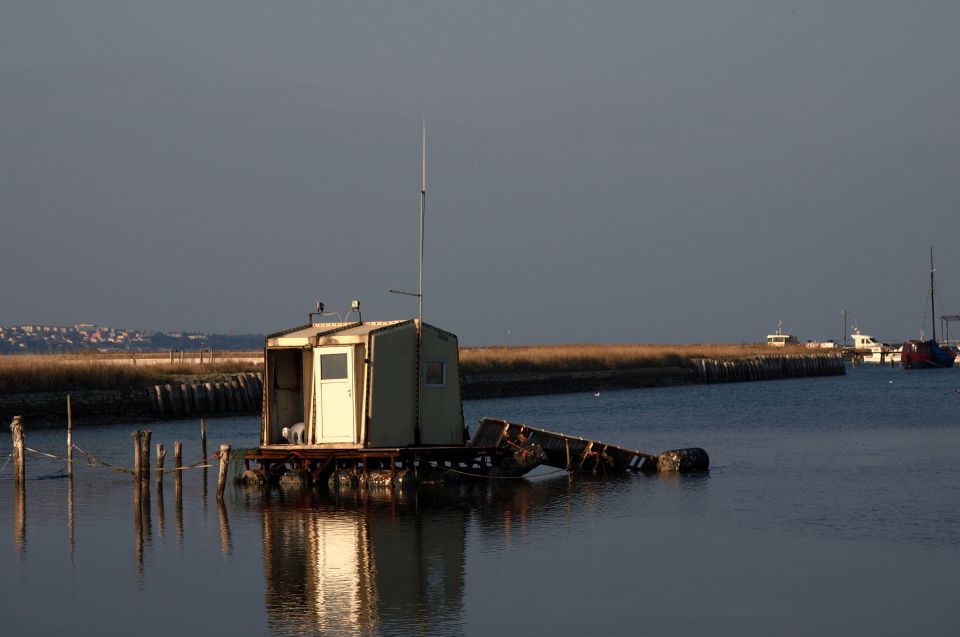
203, 439
19, 468
69, 438
224, 455
178, 457
161, 454
145, 451
136, 453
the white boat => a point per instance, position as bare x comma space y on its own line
872, 351
780, 339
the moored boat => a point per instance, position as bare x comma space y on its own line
927, 354
779, 339
872, 351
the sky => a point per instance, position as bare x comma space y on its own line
609, 172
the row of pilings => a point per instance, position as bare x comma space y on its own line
768, 368
241, 393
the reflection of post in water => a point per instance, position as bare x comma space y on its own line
70, 543
225, 547
138, 524
178, 486
327, 569
161, 517
141, 515
19, 517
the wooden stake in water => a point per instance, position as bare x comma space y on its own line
136, 453
19, 469
224, 455
203, 439
177, 457
161, 454
69, 438
145, 451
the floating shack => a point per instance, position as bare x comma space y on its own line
379, 403
354, 386
358, 395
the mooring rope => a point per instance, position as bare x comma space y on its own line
9, 457
93, 461
43, 453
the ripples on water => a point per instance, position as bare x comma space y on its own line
831, 506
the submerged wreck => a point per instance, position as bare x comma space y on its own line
379, 403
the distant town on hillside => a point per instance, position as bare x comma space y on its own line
84, 337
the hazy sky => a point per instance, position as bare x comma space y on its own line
612, 172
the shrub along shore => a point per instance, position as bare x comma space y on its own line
38, 384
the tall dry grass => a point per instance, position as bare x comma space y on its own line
41, 373
595, 357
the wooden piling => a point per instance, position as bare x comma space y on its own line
161, 455
69, 438
178, 457
19, 459
224, 456
136, 453
203, 439
145, 451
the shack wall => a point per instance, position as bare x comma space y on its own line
391, 415
441, 419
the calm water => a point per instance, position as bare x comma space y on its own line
832, 505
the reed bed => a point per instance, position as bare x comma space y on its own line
596, 357
39, 373
46, 373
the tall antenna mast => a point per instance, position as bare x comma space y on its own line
423, 206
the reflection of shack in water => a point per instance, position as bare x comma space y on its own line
339, 569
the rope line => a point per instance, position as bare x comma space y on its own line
92, 460
42, 453
9, 457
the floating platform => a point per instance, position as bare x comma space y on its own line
499, 448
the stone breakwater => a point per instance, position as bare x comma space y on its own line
238, 394
766, 367
769, 368
243, 393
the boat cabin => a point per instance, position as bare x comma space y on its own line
780, 339
355, 386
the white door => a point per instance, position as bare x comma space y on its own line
333, 375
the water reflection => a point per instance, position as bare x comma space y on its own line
356, 566
19, 518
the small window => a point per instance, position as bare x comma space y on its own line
435, 374
333, 366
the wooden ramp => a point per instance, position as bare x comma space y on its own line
562, 451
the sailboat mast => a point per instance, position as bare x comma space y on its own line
933, 307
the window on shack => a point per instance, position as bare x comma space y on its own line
435, 374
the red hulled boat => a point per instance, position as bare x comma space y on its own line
929, 354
